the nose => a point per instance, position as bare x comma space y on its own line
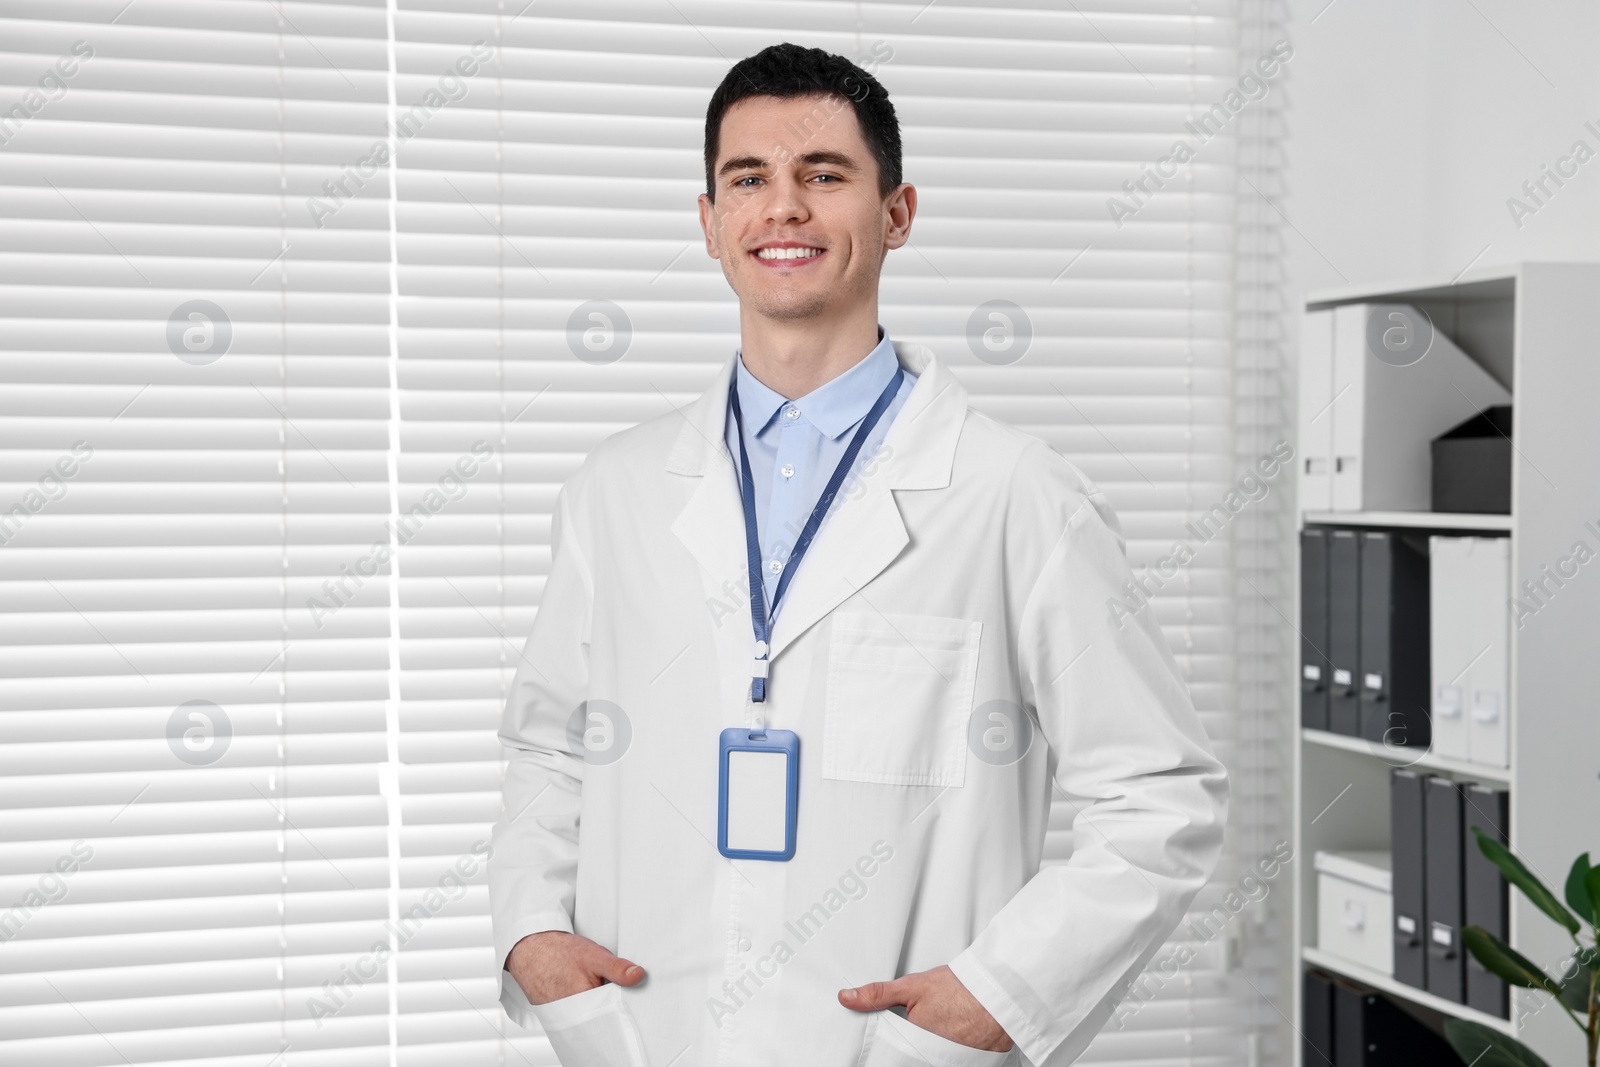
786, 200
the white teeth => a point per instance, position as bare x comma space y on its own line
788, 253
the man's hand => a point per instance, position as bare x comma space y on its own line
553, 964
937, 1002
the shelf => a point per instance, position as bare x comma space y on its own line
1399, 757
1484, 283
1386, 984
1424, 520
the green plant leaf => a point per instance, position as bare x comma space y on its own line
1575, 992
1483, 1046
1579, 899
1591, 882
1519, 875
1507, 963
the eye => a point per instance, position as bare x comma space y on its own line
740, 183
826, 177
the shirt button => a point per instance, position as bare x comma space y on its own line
792, 413
788, 470
775, 567
744, 944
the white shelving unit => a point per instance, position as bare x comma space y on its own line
1536, 328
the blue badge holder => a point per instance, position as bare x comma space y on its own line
774, 743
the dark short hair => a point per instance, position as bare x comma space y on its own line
788, 70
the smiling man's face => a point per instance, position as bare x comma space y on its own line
798, 224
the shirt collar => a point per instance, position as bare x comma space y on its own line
832, 407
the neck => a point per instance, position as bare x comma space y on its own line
793, 358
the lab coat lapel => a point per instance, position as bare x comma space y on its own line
862, 536
857, 541
711, 525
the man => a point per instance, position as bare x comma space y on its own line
829, 547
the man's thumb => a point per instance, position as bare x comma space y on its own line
618, 970
874, 996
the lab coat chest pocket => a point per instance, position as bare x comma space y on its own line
899, 698
592, 1029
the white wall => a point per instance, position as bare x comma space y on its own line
1410, 124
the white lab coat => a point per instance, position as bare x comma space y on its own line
969, 564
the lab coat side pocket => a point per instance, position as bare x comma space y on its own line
592, 1029
899, 699
896, 1042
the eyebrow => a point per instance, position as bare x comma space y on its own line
820, 157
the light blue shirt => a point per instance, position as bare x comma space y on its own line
794, 446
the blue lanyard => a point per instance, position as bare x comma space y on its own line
759, 619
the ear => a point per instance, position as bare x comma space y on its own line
902, 209
709, 224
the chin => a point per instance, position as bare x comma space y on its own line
789, 306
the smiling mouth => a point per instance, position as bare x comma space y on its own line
788, 255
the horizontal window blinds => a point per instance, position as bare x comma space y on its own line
175, 719
258, 640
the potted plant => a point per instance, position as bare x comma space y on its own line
1577, 991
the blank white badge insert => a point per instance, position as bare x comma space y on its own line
757, 801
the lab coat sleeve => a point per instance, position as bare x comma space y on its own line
533, 869
1130, 755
